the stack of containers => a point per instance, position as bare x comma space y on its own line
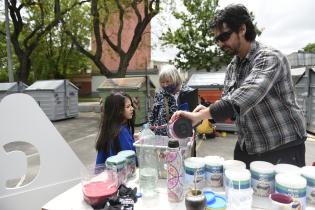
262, 178
239, 192
293, 185
131, 162
118, 164
231, 164
214, 171
194, 166
308, 172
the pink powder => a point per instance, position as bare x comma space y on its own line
96, 192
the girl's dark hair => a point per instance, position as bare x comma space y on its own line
234, 15
112, 119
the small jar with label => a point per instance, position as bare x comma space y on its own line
131, 161
118, 164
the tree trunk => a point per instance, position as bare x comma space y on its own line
23, 70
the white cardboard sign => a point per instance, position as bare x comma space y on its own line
22, 120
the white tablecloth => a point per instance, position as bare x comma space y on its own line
72, 199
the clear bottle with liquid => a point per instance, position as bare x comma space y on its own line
148, 159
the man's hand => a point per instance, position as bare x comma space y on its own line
199, 107
195, 117
202, 113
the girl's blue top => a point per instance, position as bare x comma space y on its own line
126, 143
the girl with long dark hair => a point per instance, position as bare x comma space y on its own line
116, 127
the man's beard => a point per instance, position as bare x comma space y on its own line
228, 50
232, 51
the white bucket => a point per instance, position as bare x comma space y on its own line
214, 171
238, 178
192, 165
238, 189
308, 172
292, 185
262, 178
232, 164
287, 168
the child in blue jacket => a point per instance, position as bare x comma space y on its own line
116, 127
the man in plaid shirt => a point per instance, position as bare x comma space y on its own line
258, 94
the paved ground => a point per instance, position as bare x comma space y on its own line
81, 132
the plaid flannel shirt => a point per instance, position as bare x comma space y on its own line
260, 89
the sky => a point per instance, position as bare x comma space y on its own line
288, 25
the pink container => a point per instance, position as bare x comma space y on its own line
98, 184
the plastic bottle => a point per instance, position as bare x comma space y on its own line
175, 172
148, 163
146, 133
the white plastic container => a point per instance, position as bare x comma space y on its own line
118, 163
238, 178
229, 164
214, 171
308, 172
158, 146
287, 168
292, 185
131, 162
192, 165
238, 189
262, 178
232, 164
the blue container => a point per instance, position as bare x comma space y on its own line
215, 202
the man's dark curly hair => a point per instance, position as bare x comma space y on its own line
234, 15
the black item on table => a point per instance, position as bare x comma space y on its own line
124, 200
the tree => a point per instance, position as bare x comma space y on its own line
56, 56
309, 48
32, 20
196, 46
4, 56
101, 13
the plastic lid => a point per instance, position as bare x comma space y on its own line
173, 144
238, 174
262, 167
218, 203
115, 160
209, 197
233, 164
127, 153
290, 180
194, 162
308, 171
287, 168
214, 160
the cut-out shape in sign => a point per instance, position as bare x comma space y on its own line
23, 121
